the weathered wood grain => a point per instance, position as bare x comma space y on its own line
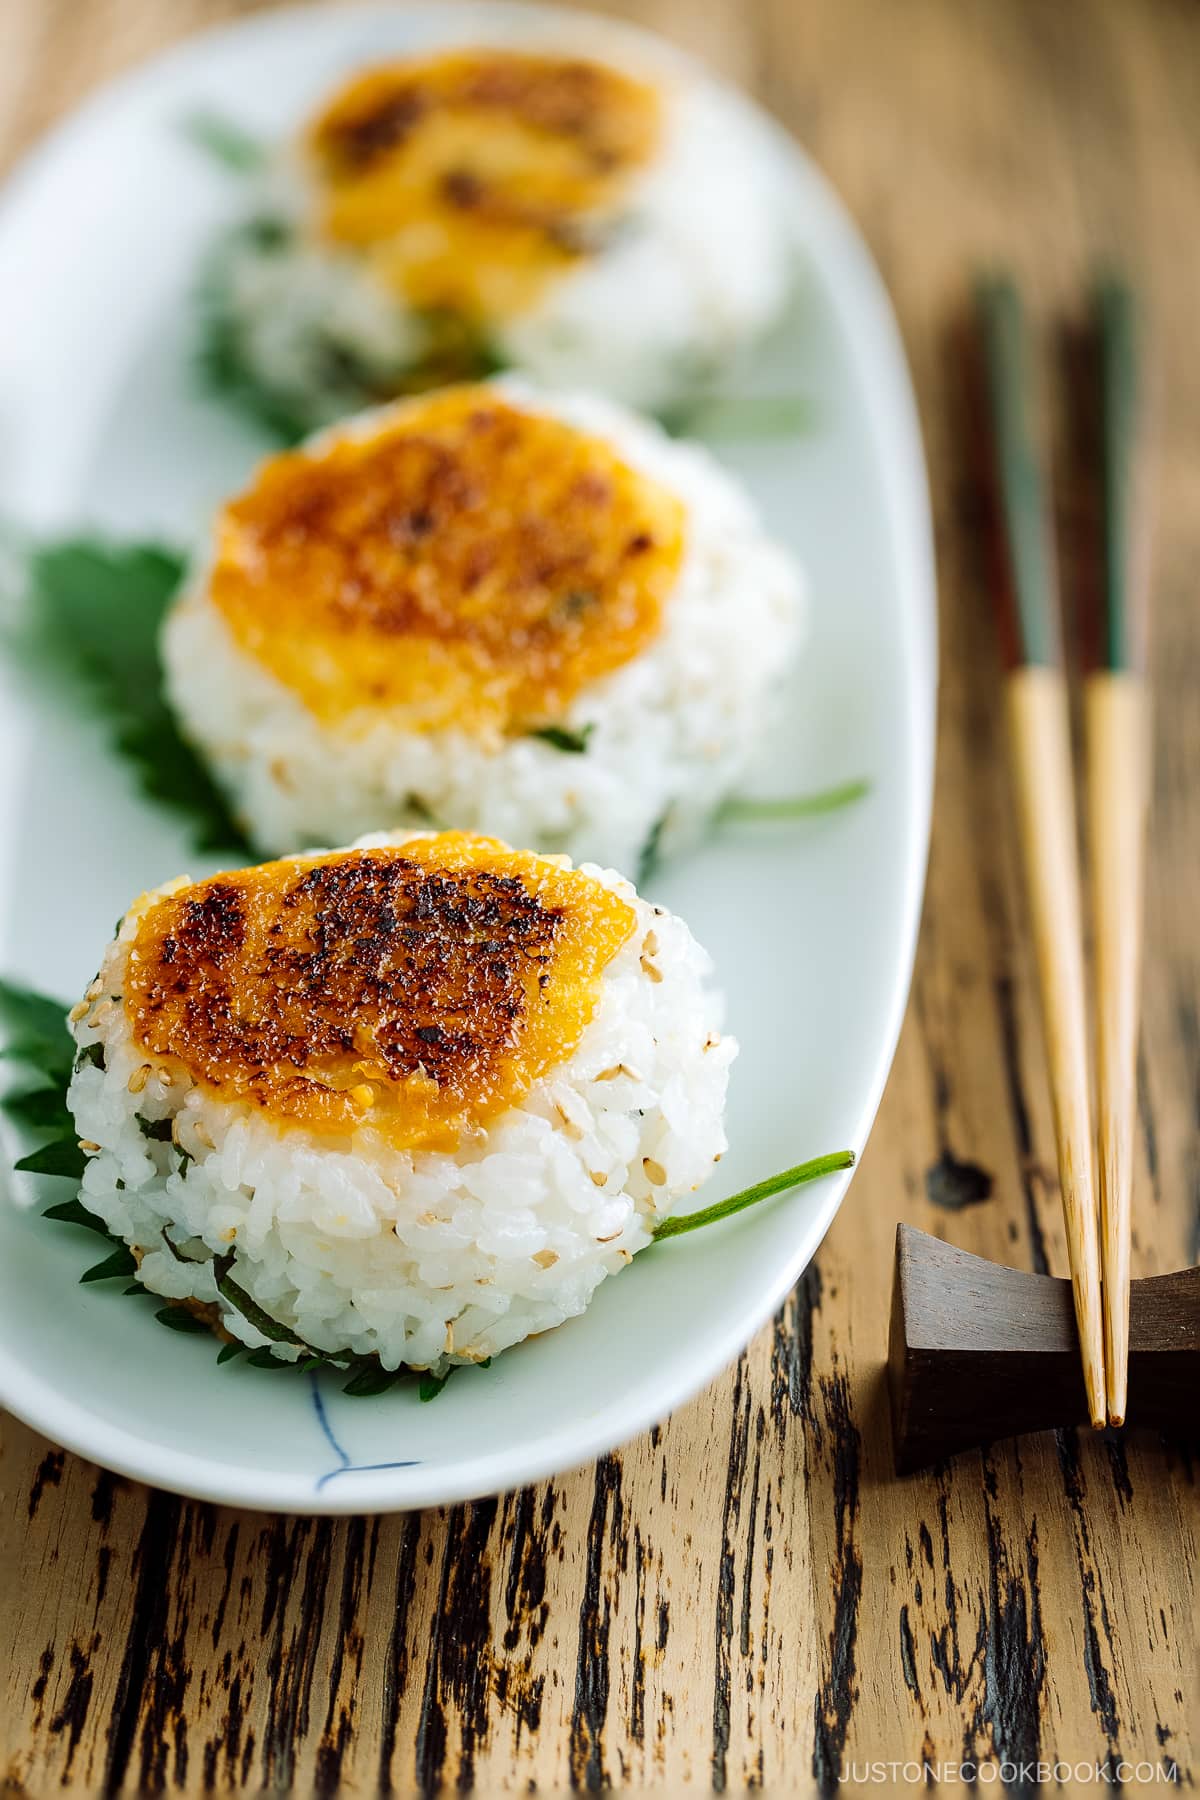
746, 1596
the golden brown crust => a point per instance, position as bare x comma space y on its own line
472, 178
467, 564
417, 990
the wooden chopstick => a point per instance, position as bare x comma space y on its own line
1116, 725
1040, 750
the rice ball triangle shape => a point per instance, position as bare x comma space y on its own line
404, 1103
491, 609
596, 220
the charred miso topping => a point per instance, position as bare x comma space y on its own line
471, 179
468, 564
416, 990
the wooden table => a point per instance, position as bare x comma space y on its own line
746, 1596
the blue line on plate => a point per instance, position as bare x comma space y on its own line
323, 1422
345, 1466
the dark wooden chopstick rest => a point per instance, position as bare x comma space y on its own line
979, 1352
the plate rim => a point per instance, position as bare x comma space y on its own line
874, 348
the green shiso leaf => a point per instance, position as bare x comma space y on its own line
40, 1108
225, 141
33, 1015
62, 1157
370, 1380
762, 1190
430, 1386
178, 1318
111, 601
561, 737
798, 806
74, 1212
35, 1032
227, 1352
121, 1263
30, 1051
94, 615
222, 371
250, 1310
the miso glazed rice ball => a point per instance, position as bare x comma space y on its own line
596, 224
411, 1100
481, 608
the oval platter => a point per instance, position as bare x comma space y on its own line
812, 923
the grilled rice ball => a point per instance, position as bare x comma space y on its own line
406, 1102
596, 223
488, 609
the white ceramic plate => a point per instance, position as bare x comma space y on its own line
812, 925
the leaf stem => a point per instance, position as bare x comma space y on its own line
739, 416
762, 1190
224, 140
798, 806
